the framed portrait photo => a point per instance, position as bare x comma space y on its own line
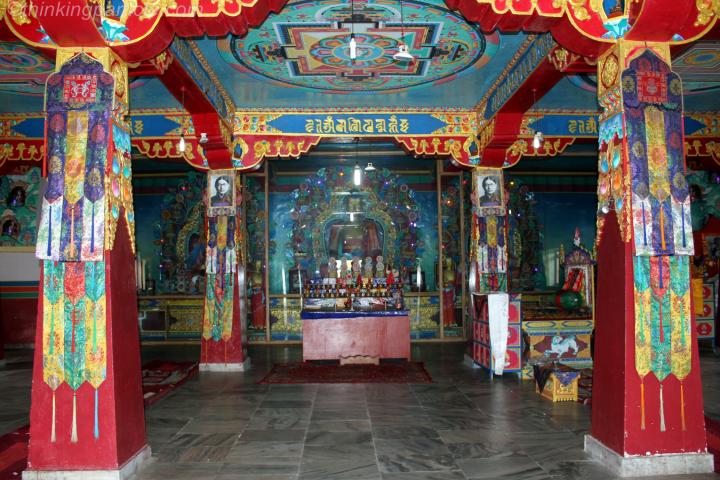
221, 192
490, 194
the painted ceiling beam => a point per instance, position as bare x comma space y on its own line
535, 69
191, 80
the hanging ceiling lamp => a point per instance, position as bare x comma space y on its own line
370, 167
181, 144
357, 173
538, 137
403, 53
353, 43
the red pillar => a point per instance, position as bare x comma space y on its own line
120, 412
2, 344
647, 415
222, 343
86, 412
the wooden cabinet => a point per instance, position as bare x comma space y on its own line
170, 317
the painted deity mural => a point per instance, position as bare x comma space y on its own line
171, 233
307, 45
19, 198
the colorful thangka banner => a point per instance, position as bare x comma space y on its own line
71, 235
489, 236
662, 231
663, 322
79, 101
220, 268
652, 98
119, 182
74, 330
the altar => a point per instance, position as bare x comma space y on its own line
349, 336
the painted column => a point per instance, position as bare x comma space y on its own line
86, 409
2, 345
647, 415
222, 345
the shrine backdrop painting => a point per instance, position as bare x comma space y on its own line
382, 216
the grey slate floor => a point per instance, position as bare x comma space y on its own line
462, 426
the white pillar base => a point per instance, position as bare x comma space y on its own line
130, 468
650, 465
226, 367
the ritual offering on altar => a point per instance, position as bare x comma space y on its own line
362, 293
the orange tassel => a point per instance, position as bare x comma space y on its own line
225, 342
682, 406
642, 404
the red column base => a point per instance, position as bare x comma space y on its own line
130, 468
648, 465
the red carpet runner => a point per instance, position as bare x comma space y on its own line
409, 372
159, 379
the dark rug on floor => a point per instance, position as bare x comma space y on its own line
406, 372
160, 378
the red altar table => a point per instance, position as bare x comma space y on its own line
339, 335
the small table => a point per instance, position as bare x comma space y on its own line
359, 336
558, 383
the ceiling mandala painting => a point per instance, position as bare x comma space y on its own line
307, 45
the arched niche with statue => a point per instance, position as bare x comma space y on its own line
353, 225
333, 218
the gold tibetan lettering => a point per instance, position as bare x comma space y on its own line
341, 125
328, 125
354, 125
393, 125
309, 126
591, 125
380, 125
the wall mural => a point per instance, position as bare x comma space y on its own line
254, 201
19, 198
450, 205
171, 233
307, 45
525, 245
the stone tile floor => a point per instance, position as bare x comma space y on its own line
462, 426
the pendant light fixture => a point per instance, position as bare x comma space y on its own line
353, 43
357, 173
538, 137
370, 167
181, 144
403, 54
